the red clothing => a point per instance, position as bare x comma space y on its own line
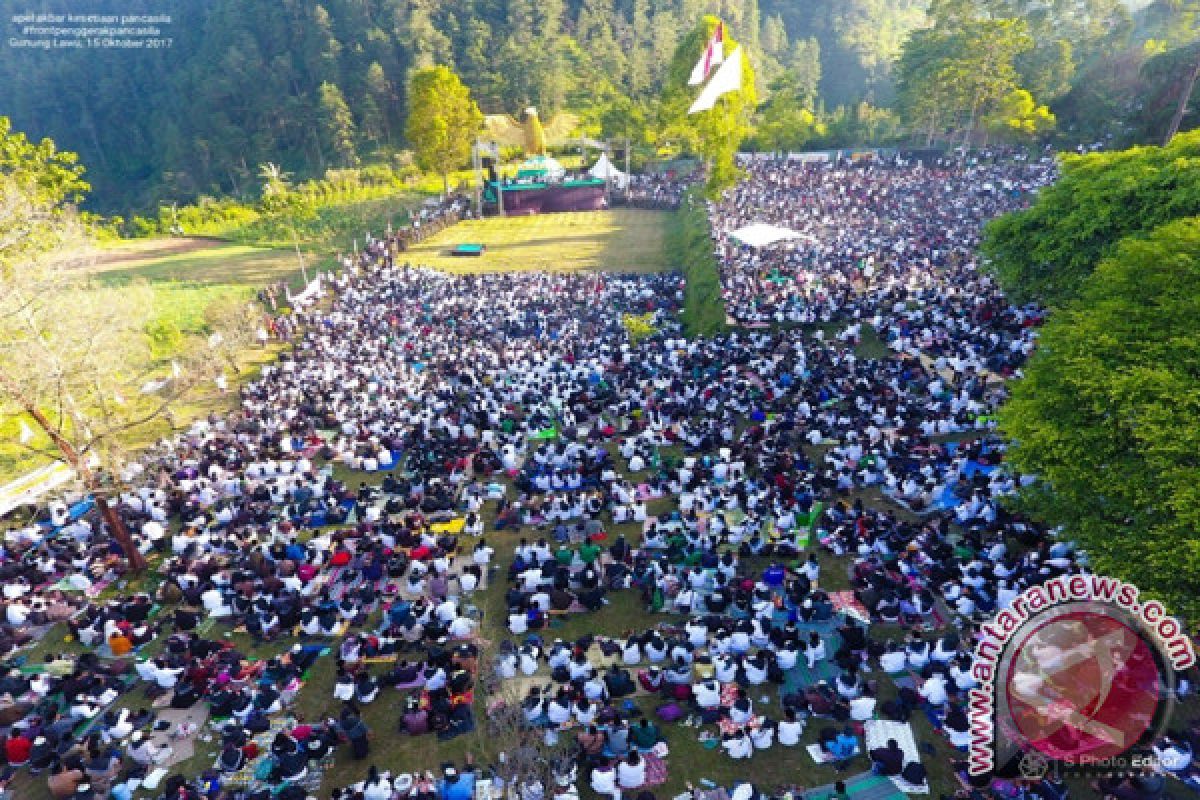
17, 749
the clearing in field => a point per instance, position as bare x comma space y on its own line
624, 240
196, 260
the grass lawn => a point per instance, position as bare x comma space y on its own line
622, 240
198, 261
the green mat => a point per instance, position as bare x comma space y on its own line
866, 786
801, 677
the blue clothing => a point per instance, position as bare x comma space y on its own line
462, 788
843, 747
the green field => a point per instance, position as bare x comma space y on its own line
623, 240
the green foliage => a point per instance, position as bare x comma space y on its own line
855, 42
1162, 80
638, 326
863, 124
165, 337
957, 71
1105, 416
715, 134
786, 122
337, 124
1016, 116
51, 177
38, 184
689, 242
1047, 251
442, 120
314, 85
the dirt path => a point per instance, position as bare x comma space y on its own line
153, 248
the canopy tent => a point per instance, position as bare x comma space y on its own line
604, 170
760, 234
540, 168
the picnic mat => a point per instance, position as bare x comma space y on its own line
821, 757
878, 731
845, 602
866, 786
454, 526
185, 748
656, 770
801, 677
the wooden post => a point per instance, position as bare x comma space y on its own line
628, 174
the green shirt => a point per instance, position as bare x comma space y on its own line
589, 552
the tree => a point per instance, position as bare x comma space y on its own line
786, 122
41, 182
377, 105
1105, 416
443, 120
717, 133
1046, 251
75, 360
337, 124
1017, 116
285, 206
954, 73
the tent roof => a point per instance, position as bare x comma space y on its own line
603, 168
761, 234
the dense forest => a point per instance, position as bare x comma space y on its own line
320, 85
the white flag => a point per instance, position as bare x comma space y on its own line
175, 370
714, 54
728, 79
26, 433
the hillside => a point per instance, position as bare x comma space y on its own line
313, 86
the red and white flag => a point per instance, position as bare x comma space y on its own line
728, 79
714, 54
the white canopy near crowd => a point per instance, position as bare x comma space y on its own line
605, 170
762, 234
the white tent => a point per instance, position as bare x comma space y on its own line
604, 170
760, 234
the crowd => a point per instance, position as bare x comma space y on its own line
655, 191
736, 466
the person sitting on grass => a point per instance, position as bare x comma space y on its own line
644, 735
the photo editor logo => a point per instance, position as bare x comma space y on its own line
1077, 674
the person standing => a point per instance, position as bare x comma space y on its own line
355, 730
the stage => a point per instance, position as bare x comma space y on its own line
523, 199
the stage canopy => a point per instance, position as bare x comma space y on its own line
760, 234
605, 171
540, 168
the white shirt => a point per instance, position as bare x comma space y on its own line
789, 732
934, 690
739, 747
862, 708
630, 776
604, 781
